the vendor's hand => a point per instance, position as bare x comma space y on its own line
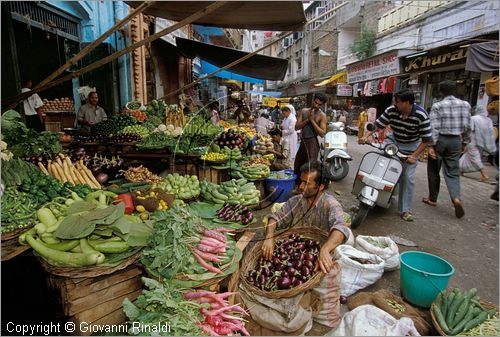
311, 116
432, 153
268, 248
325, 261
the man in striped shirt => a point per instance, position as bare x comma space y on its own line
411, 132
451, 126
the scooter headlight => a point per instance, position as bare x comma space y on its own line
391, 149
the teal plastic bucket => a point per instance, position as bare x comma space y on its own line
423, 276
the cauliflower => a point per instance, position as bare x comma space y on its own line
170, 128
3, 145
177, 131
162, 127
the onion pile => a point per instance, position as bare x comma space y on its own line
291, 265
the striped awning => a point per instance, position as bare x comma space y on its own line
337, 78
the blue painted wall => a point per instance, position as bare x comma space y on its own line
96, 18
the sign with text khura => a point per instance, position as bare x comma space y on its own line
377, 67
435, 59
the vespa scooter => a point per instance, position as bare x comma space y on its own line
335, 155
377, 178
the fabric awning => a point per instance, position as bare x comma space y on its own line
482, 57
265, 93
337, 78
208, 68
258, 66
253, 15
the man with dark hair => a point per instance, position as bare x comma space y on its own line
451, 127
32, 108
411, 132
281, 151
91, 113
314, 208
312, 123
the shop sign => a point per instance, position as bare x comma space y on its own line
344, 90
384, 65
435, 60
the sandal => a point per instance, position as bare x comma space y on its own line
429, 202
407, 216
459, 209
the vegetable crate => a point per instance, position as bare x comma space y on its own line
97, 299
212, 175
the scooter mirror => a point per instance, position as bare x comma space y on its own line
370, 127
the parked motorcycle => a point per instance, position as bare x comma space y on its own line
377, 178
335, 155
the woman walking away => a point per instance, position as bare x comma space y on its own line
482, 139
288, 129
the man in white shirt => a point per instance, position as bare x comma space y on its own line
32, 108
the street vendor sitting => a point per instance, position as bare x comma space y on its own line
312, 207
281, 151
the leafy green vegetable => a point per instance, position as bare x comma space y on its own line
80, 225
161, 303
169, 245
204, 210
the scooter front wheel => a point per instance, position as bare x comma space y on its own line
339, 172
360, 215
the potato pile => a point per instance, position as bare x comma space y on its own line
58, 104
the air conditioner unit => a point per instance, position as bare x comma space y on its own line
320, 10
317, 23
286, 42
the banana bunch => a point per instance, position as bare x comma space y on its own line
233, 154
231, 192
214, 156
253, 172
197, 126
227, 125
249, 132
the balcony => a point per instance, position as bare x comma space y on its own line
407, 12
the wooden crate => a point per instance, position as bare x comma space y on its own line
97, 299
212, 175
11, 248
53, 126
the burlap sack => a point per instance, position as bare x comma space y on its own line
380, 298
491, 86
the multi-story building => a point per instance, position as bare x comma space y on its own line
420, 43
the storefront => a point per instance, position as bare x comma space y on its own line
428, 68
374, 80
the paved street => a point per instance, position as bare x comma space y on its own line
470, 244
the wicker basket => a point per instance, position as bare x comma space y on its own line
250, 259
90, 271
486, 305
13, 234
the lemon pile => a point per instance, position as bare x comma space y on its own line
213, 156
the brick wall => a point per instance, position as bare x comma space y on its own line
324, 38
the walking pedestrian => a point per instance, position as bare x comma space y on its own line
482, 140
411, 132
451, 125
32, 108
288, 129
312, 123
362, 119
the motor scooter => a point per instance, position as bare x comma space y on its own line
335, 151
377, 178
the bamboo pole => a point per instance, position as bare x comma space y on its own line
81, 54
214, 6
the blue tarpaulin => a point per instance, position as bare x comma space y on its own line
208, 68
265, 93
